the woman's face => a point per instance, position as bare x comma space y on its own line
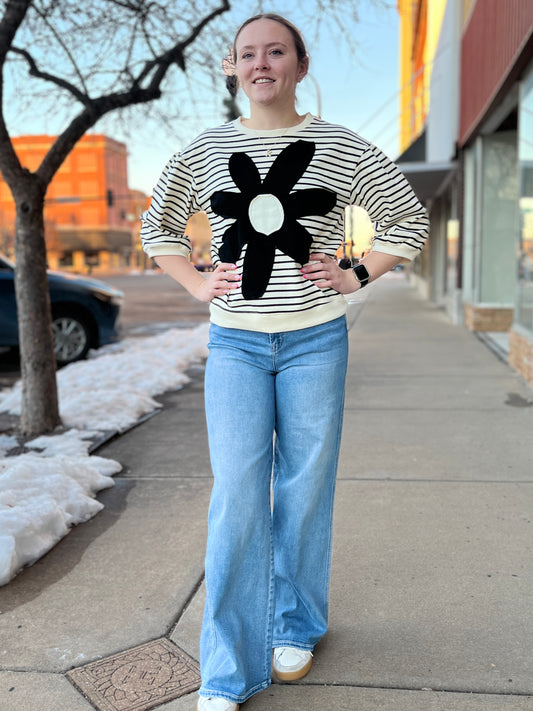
267, 64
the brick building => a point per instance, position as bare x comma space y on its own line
91, 216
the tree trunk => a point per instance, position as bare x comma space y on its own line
40, 410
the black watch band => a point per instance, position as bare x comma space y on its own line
361, 274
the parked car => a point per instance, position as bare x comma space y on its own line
85, 312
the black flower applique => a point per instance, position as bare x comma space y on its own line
266, 214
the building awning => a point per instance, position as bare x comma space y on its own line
428, 180
73, 237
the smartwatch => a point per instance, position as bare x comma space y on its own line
361, 274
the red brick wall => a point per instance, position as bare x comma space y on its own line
496, 45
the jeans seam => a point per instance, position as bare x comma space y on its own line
271, 602
326, 582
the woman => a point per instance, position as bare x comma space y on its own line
274, 187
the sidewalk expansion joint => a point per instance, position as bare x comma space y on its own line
138, 679
183, 609
397, 480
379, 687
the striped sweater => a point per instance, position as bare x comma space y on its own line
272, 198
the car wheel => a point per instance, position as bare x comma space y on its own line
72, 338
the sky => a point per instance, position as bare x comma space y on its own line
356, 87
358, 90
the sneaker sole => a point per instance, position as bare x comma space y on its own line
198, 707
294, 675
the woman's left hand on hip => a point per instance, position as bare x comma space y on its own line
325, 272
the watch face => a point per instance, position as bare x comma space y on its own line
361, 272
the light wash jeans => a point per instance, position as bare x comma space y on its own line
267, 567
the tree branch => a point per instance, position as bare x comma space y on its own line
12, 19
175, 54
58, 81
96, 108
140, 7
15, 12
93, 111
64, 47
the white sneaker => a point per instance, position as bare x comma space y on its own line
291, 663
208, 703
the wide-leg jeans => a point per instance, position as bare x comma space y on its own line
274, 405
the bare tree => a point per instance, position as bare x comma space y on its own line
93, 58
136, 79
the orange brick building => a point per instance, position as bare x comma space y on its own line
91, 216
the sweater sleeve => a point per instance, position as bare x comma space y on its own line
401, 224
164, 224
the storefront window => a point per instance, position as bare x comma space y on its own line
524, 311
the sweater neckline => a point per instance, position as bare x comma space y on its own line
238, 125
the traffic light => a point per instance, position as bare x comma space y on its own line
110, 198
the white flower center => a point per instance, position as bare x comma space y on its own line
266, 214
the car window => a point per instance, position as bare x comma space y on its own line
5, 265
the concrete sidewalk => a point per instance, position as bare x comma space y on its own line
432, 580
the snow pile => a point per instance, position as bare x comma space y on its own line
41, 497
115, 388
45, 492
